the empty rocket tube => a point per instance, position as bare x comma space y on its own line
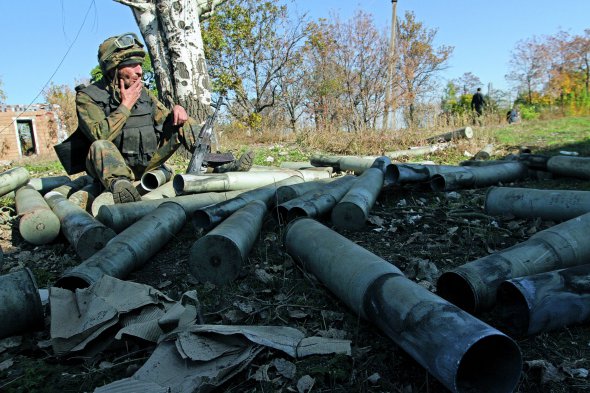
155, 178
37, 223
545, 301
570, 166
465, 132
482, 176
12, 179
84, 232
473, 286
208, 217
314, 203
462, 352
128, 250
555, 205
218, 256
352, 211
20, 304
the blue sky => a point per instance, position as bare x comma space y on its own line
36, 34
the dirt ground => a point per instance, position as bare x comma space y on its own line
409, 228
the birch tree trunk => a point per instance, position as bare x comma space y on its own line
171, 30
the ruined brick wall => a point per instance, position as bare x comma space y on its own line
45, 130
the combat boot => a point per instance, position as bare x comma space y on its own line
124, 191
242, 164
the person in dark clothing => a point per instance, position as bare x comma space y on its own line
478, 102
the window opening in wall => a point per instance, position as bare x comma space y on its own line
26, 137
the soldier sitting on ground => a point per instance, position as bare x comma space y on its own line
131, 131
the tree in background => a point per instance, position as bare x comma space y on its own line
527, 66
172, 33
418, 64
65, 97
249, 45
2, 95
362, 55
323, 79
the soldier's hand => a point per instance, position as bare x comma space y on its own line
179, 115
129, 96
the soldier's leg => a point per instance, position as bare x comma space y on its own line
105, 163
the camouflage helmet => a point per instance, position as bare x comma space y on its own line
120, 50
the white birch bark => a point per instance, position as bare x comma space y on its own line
172, 33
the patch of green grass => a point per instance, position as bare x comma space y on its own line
275, 155
44, 168
550, 136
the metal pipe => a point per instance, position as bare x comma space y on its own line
231, 181
20, 304
218, 256
38, 224
462, 352
104, 199
295, 165
483, 176
534, 161
12, 179
74, 185
314, 203
120, 216
554, 205
155, 178
164, 191
415, 151
546, 301
208, 217
291, 191
570, 166
353, 209
46, 184
461, 133
418, 173
128, 250
84, 232
485, 153
473, 285
85, 196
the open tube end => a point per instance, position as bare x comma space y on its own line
457, 290
201, 220
178, 184
149, 181
438, 183
513, 309
492, 364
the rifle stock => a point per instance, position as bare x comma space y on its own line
203, 143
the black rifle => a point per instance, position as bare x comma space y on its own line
203, 143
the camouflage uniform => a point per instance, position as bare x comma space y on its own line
105, 161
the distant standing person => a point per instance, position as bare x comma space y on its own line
478, 102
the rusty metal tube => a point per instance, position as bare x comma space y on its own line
473, 286
570, 166
462, 352
129, 249
37, 224
208, 217
120, 216
555, 205
238, 180
482, 176
545, 301
461, 133
314, 203
20, 304
352, 210
12, 179
155, 178
218, 256
84, 232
